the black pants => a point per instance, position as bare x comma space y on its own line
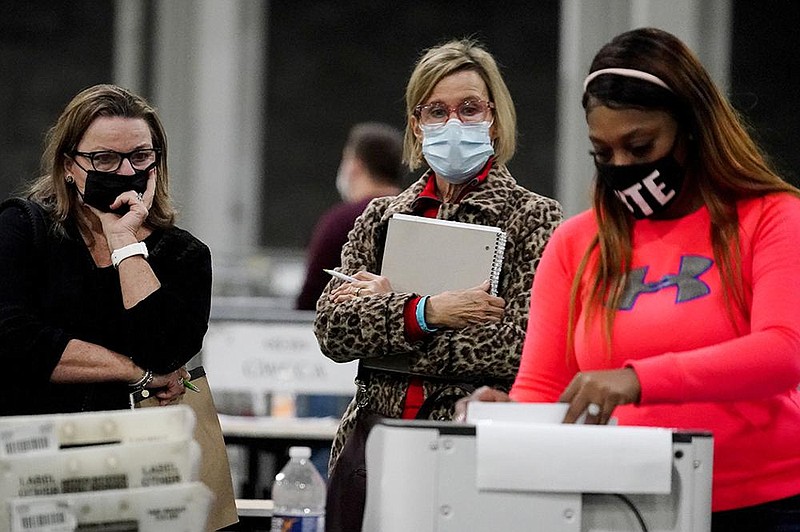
776, 516
347, 484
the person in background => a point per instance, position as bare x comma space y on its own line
110, 296
371, 167
461, 122
672, 302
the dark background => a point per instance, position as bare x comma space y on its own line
765, 76
49, 51
333, 64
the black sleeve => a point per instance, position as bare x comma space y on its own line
166, 329
29, 347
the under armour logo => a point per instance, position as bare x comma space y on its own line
687, 281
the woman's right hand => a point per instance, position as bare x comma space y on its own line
457, 309
484, 393
366, 284
123, 230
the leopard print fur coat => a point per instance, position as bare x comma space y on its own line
373, 326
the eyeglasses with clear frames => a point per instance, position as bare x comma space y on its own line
111, 161
468, 111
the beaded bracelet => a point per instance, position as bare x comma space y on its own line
420, 313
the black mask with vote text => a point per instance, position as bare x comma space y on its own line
102, 188
646, 189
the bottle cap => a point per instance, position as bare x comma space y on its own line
299, 452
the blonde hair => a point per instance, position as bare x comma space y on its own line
51, 188
722, 157
441, 61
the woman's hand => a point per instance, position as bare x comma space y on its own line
169, 387
484, 393
367, 284
457, 309
598, 392
123, 230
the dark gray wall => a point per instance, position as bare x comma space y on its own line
49, 51
332, 64
765, 77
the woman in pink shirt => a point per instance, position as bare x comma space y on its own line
674, 302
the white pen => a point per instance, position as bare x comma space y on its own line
340, 275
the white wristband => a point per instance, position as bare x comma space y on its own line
118, 255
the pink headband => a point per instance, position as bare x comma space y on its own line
628, 72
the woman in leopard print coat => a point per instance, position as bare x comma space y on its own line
366, 320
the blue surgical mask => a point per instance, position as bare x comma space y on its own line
457, 151
342, 184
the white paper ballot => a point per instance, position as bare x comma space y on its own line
572, 458
522, 412
177, 507
516, 412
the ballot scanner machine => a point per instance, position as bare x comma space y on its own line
500, 474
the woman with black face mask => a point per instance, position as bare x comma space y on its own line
674, 301
102, 294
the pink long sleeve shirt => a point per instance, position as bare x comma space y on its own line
696, 368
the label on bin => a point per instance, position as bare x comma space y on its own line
297, 523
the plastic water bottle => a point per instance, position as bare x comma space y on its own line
298, 495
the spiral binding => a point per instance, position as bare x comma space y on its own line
497, 261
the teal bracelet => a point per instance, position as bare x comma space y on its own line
420, 313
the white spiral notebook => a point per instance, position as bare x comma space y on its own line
429, 256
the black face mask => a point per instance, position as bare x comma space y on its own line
102, 188
646, 189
